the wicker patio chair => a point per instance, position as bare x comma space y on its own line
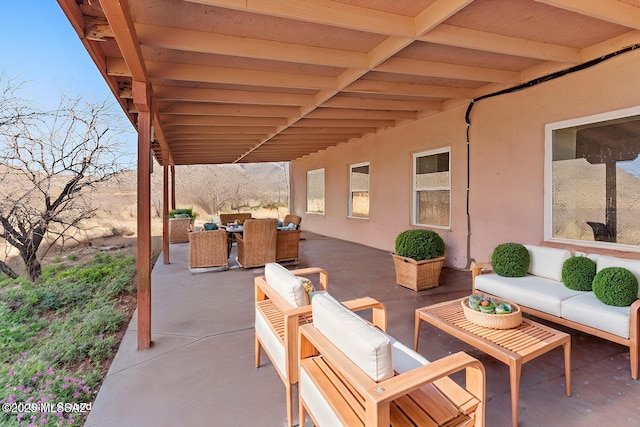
290, 218
179, 229
287, 245
227, 218
208, 249
257, 244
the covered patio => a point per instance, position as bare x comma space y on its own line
200, 368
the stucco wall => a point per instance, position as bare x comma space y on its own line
506, 164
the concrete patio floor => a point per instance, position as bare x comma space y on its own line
200, 369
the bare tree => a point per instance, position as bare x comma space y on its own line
50, 163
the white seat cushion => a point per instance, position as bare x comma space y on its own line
365, 345
588, 310
547, 262
271, 343
322, 412
530, 291
285, 283
633, 265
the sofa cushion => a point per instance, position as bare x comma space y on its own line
285, 283
530, 291
586, 309
547, 262
633, 265
366, 346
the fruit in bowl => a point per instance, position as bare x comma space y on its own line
488, 305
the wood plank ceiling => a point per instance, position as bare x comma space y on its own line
275, 80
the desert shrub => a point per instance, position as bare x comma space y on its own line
510, 260
578, 273
419, 244
615, 286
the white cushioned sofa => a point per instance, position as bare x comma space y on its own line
542, 294
354, 374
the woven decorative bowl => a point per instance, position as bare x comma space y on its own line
493, 321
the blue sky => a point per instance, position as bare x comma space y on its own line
38, 46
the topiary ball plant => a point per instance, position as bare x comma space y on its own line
578, 273
419, 244
616, 286
510, 260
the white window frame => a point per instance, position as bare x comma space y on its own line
548, 176
350, 201
414, 204
324, 207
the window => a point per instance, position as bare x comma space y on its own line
432, 188
315, 191
592, 177
359, 190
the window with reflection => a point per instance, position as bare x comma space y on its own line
315, 191
593, 179
359, 190
432, 188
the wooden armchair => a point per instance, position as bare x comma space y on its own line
281, 306
290, 218
257, 244
179, 229
287, 245
353, 374
208, 249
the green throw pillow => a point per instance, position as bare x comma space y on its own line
616, 286
510, 260
578, 273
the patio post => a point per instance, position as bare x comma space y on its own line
142, 100
173, 186
165, 206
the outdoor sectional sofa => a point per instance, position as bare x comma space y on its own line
541, 293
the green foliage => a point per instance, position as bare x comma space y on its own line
419, 244
616, 286
510, 260
183, 213
578, 273
56, 334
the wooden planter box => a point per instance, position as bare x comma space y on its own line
417, 275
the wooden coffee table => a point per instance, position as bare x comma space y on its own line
513, 347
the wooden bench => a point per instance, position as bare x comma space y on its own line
335, 390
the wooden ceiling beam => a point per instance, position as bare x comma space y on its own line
451, 35
172, 119
327, 123
450, 71
344, 113
297, 130
613, 11
244, 47
408, 89
237, 76
192, 94
203, 108
325, 12
381, 104
239, 130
